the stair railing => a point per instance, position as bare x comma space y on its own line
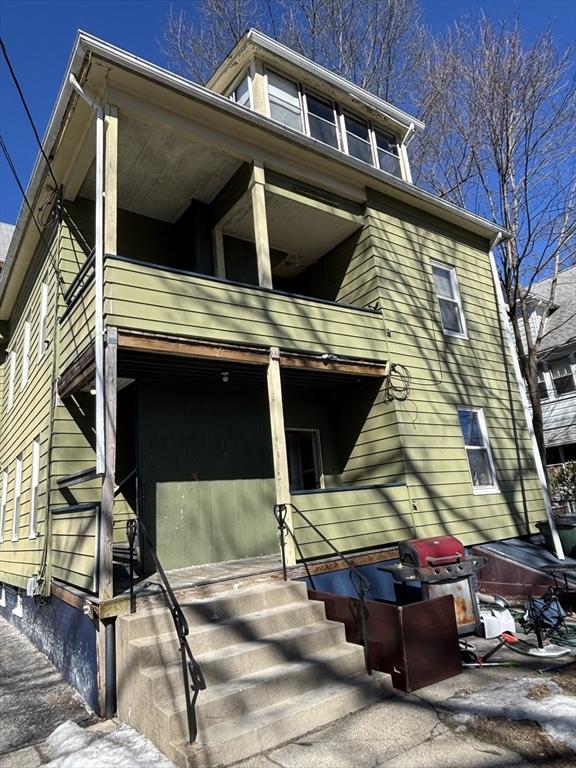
191, 673
360, 583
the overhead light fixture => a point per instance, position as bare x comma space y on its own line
225, 377
93, 391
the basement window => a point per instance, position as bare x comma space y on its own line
448, 295
478, 452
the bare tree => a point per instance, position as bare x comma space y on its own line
377, 45
500, 141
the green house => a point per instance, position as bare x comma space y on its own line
236, 297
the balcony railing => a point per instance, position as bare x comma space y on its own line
153, 299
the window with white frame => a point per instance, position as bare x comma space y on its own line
448, 295
480, 461
241, 94
43, 319
34, 487
291, 104
542, 383
25, 354
284, 101
563, 376
11, 379
17, 498
3, 500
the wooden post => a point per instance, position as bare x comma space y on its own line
218, 249
110, 179
279, 453
259, 99
260, 225
105, 544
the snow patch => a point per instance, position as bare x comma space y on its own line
76, 747
556, 714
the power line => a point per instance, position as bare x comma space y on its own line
12, 167
23, 100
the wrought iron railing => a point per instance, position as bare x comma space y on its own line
360, 583
191, 673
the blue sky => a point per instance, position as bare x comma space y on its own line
39, 35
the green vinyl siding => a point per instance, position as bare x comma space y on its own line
74, 542
446, 372
207, 481
352, 519
144, 298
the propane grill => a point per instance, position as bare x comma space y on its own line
441, 567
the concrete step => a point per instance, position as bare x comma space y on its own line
154, 650
219, 703
213, 607
272, 726
243, 658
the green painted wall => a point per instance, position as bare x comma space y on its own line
206, 471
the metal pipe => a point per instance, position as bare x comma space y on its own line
110, 669
524, 398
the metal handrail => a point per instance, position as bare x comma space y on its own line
360, 583
191, 672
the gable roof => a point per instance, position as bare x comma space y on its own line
6, 232
561, 324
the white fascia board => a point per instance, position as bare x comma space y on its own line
87, 44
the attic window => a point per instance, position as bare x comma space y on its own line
326, 121
241, 94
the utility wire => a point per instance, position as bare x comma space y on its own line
12, 167
25, 105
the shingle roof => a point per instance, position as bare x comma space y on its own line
6, 232
561, 325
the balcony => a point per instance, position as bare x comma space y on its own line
155, 300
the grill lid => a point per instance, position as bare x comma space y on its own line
434, 551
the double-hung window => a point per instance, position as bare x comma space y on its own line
542, 383
284, 101
12, 377
241, 94
480, 461
34, 487
17, 498
562, 377
322, 120
26, 354
42, 321
451, 312
357, 133
3, 500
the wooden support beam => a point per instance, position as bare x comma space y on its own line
110, 179
218, 251
233, 191
105, 545
197, 349
373, 370
258, 191
279, 452
257, 75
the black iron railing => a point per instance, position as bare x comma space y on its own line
191, 673
359, 582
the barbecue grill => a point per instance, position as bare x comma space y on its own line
441, 567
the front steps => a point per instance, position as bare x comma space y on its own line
274, 666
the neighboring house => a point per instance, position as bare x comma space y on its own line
557, 368
242, 301
6, 232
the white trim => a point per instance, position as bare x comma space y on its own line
479, 490
456, 299
34, 487
3, 501
11, 380
17, 498
25, 355
43, 319
504, 319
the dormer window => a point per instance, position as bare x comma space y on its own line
241, 94
291, 104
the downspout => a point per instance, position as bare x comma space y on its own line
99, 274
524, 398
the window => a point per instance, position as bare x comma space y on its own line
358, 138
25, 355
542, 384
562, 377
284, 100
478, 451
34, 488
42, 323
3, 500
12, 364
17, 494
304, 462
322, 120
451, 312
241, 94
